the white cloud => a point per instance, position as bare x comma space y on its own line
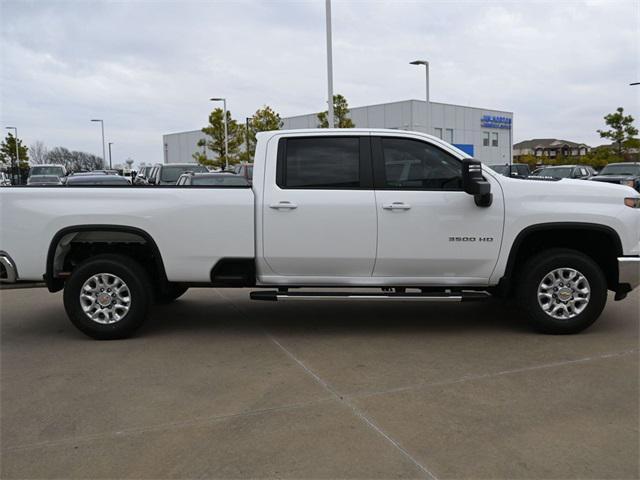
148, 68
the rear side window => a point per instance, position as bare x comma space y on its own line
319, 162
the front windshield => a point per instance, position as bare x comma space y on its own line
171, 173
555, 172
621, 170
219, 180
44, 179
501, 169
57, 171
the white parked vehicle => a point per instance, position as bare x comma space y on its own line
405, 214
48, 169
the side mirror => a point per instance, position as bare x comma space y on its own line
474, 183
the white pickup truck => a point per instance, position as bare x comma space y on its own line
405, 215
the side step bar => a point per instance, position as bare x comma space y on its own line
464, 296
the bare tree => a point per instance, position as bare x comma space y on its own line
38, 152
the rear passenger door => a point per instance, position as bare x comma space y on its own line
319, 209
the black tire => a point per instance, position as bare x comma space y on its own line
139, 289
538, 267
170, 293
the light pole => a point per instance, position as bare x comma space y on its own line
329, 66
110, 167
226, 137
427, 105
104, 158
13, 170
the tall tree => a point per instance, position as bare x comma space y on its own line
8, 151
215, 141
74, 161
263, 120
38, 152
622, 131
340, 113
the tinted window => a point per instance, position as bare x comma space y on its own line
621, 170
171, 173
230, 180
562, 172
57, 171
417, 165
322, 162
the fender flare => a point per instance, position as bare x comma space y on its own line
56, 284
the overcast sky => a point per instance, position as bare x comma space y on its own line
148, 67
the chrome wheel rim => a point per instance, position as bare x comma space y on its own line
564, 293
105, 298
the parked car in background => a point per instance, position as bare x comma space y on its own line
168, 174
623, 173
142, 176
245, 170
43, 180
5, 181
48, 170
101, 179
579, 172
212, 179
517, 170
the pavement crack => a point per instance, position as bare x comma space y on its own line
481, 376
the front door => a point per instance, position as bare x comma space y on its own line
319, 215
429, 230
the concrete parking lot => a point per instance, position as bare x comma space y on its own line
218, 386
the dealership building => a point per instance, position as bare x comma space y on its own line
485, 134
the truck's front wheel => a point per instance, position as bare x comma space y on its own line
563, 291
107, 297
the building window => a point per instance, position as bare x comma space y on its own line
552, 153
574, 152
485, 139
538, 153
583, 151
494, 139
437, 132
449, 135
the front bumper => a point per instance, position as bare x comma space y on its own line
629, 272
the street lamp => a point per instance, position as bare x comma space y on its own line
226, 138
329, 66
427, 105
13, 170
104, 159
110, 143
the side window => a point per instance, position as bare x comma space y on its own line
416, 165
320, 162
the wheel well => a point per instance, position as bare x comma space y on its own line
600, 243
74, 245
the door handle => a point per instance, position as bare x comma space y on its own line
396, 206
283, 204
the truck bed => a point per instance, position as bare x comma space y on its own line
192, 227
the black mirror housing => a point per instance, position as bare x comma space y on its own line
474, 183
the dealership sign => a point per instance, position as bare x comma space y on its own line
492, 121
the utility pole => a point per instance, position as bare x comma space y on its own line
330, 117
110, 167
104, 157
427, 124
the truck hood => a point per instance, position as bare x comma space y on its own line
577, 189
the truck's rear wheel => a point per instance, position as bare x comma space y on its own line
563, 291
107, 297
